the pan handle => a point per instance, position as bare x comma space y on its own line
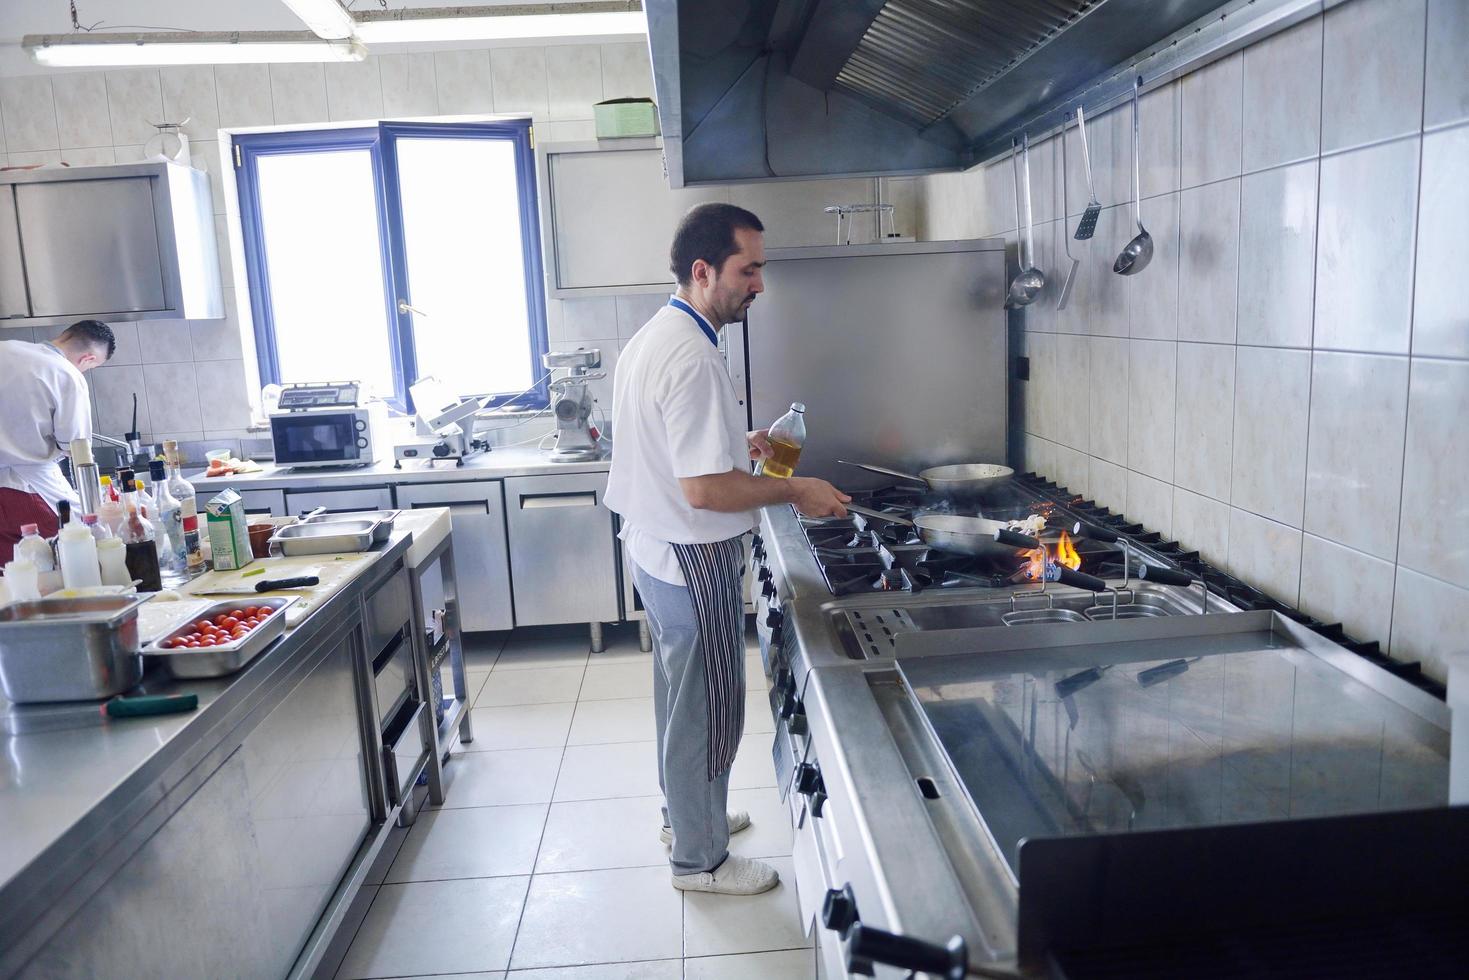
1015, 539
1095, 532
1080, 580
878, 515
869, 467
1167, 576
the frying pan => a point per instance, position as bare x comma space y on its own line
959, 479
961, 535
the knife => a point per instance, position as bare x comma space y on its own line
30, 719
264, 585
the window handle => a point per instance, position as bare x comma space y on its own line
404, 307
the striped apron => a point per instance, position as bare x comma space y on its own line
715, 575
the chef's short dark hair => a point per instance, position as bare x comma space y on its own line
707, 232
94, 333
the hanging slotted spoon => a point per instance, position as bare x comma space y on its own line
1028, 282
1136, 255
1065, 215
1088, 224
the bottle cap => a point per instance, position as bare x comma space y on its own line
106, 481
125, 479
138, 484
156, 470
29, 529
89, 519
798, 407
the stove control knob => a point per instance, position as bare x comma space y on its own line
797, 724
765, 574
808, 778
791, 706
768, 590
756, 541
777, 637
774, 619
839, 910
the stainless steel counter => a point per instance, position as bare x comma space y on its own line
76, 804
497, 464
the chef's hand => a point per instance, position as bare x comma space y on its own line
759, 441
817, 498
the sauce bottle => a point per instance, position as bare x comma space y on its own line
787, 436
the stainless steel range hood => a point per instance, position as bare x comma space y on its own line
770, 89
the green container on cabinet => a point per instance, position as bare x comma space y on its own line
618, 118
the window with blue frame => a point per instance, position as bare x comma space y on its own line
392, 253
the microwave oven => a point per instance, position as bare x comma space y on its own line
323, 437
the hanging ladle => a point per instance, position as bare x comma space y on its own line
1134, 258
1028, 283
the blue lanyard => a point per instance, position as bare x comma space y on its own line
679, 304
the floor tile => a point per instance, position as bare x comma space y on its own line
591, 835
647, 970
456, 976
546, 647
437, 927
770, 824
787, 964
753, 767
501, 778
481, 650
476, 842
599, 772
600, 917
537, 685
629, 720
521, 726
717, 924
758, 719
474, 682
615, 681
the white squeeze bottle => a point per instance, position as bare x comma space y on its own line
33, 548
112, 557
78, 550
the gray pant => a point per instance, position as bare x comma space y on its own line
694, 805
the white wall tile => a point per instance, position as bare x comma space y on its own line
125, 333
1072, 391
1430, 622
1204, 440
82, 118
165, 342
1339, 585
792, 210
574, 77
173, 397
1158, 132
1152, 372
1208, 274
1277, 256
566, 131
626, 71
635, 310
1107, 485
1119, 157
135, 99
1040, 402
244, 96
1282, 97
409, 86
298, 93
1154, 291
29, 111
36, 158
1108, 396
1045, 162
189, 93
1364, 256
354, 90
87, 156
464, 83
112, 387
1040, 456
587, 319
1440, 314
1436, 471
1354, 469
1447, 95
1271, 395
218, 340
1265, 554
520, 80
1073, 470
1373, 79
1202, 524
1150, 503
1111, 314
221, 389
1212, 129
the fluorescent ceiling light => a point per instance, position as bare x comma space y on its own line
101, 49
510, 21
325, 18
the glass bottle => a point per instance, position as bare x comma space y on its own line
111, 513
137, 535
188, 525
787, 436
173, 556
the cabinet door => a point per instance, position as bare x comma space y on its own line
339, 501
481, 556
563, 555
13, 302
91, 246
266, 503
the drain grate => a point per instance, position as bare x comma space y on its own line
877, 630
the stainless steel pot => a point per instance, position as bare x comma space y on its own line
70, 649
960, 535
956, 480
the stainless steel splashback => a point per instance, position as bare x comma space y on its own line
899, 351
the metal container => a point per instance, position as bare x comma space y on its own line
337, 537
217, 661
70, 649
384, 518
1029, 617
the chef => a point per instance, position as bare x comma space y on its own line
44, 405
681, 481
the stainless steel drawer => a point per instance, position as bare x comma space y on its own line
393, 678
340, 501
403, 749
387, 610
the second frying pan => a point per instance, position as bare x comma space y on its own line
959, 479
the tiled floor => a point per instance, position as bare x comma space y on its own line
545, 858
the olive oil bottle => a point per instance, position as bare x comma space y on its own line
787, 436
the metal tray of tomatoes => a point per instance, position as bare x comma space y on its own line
216, 656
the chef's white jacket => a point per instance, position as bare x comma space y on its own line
676, 416
44, 405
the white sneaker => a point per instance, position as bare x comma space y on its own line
738, 820
736, 876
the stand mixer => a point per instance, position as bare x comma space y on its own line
576, 438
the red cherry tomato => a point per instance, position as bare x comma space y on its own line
230, 623
251, 610
202, 625
193, 644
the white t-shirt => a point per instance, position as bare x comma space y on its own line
44, 405
676, 416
